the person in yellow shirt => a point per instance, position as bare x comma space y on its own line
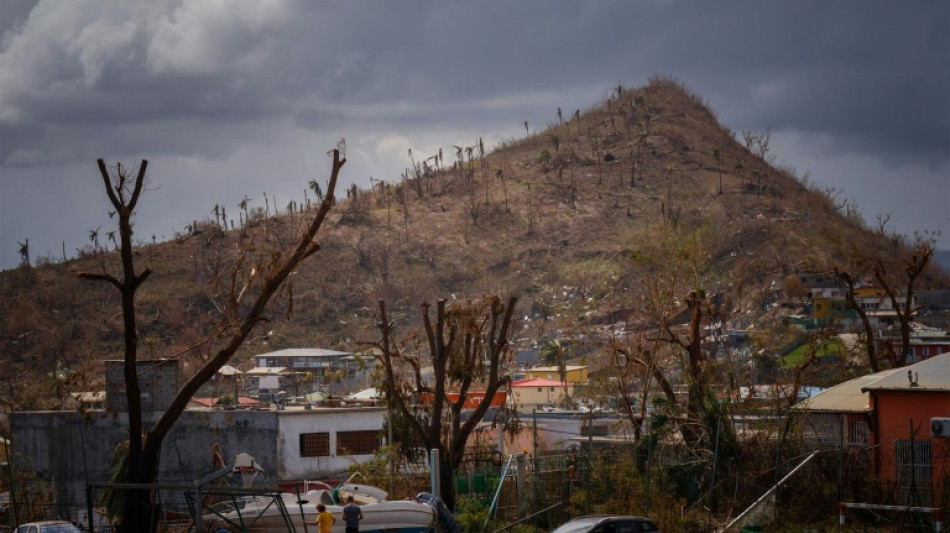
325, 519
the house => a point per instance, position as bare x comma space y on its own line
925, 342
305, 370
821, 284
889, 413
318, 361
840, 415
878, 305
264, 382
293, 443
530, 393
905, 454
572, 373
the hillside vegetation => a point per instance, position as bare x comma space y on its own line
588, 222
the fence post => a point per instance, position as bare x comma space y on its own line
534, 423
778, 448
712, 488
841, 455
590, 458
434, 471
198, 509
303, 515
9, 442
649, 457
89, 506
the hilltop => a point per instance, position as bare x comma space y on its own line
643, 194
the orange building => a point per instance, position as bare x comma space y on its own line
906, 456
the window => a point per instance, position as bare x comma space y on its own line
358, 442
626, 527
539, 389
913, 472
314, 445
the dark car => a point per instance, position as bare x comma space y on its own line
608, 524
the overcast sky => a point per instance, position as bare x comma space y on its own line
234, 98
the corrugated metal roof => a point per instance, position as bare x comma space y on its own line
931, 374
303, 352
853, 397
567, 368
847, 397
539, 382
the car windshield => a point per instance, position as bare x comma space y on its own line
581, 525
60, 528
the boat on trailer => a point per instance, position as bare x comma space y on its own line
380, 515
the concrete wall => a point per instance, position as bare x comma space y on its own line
69, 448
159, 381
332, 421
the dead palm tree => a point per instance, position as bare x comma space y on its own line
94, 238
717, 155
25, 252
243, 205
317, 191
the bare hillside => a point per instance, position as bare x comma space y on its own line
643, 190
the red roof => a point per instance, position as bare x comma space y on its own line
538, 382
472, 399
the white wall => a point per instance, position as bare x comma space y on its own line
292, 423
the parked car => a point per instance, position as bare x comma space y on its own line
49, 526
608, 524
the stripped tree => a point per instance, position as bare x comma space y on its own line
253, 283
467, 347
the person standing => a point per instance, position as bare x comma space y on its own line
352, 514
325, 519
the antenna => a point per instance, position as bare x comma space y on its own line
912, 377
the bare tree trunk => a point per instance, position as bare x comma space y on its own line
869, 342
144, 454
458, 342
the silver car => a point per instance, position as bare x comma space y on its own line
49, 526
608, 524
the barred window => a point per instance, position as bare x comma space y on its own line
314, 444
358, 442
914, 475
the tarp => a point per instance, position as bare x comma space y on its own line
365, 394
228, 370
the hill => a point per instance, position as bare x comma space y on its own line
643, 196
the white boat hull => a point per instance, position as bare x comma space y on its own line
402, 516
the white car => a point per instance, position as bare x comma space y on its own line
49, 526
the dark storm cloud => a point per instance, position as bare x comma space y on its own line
207, 83
862, 71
